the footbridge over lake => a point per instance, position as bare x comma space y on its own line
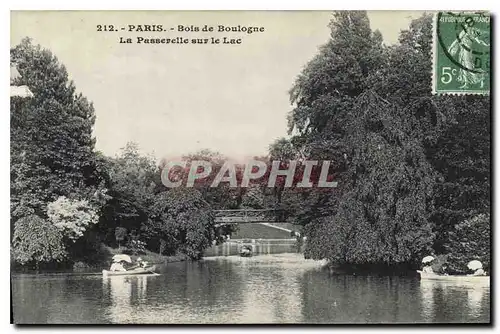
246, 216
271, 219
264, 230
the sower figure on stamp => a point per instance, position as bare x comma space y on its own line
462, 48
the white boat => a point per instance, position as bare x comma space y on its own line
136, 271
454, 278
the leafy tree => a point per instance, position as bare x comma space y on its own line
120, 235
455, 131
71, 217
253, 197
324, 92
406, 161
37, 241
282, 150
382, 216
52, 147
223, 196
462, 156
135, 246
183, 219
133, 181
359, 105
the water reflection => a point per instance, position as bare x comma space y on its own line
427, 296
263, 300
462, 299
263, 289
358, 299
218, 290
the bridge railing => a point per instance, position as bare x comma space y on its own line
247, 215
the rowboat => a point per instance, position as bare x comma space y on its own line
136, 271
454, 278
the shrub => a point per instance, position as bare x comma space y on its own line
135, 247
120, 235
36, 240
72, 217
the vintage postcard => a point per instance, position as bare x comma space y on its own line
250, 167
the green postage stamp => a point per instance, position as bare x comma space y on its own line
461, 53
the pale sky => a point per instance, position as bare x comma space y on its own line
177, 99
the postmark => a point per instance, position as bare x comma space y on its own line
461, 62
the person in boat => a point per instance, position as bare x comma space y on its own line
139, 264
479, 272
142, 263
427, 268
246, 250
444, 269
117, 266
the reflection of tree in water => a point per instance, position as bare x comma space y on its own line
271, 293
454, 302
263, 298
207, 284
28, 298
357, 299
58, 299
428, 304
83, 299
185, 292
120, 293
475, 301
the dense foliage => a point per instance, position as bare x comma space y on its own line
410, 165
72, 218
67, 200
52, 148
184, 219
413, 169
37, 241
469, 240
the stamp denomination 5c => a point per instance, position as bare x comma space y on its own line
461, 53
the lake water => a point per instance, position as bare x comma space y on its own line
279, 288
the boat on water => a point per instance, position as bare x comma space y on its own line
246, 251
454, 278
136, 271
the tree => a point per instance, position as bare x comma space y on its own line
133, 182
72, 217
455, 131
368, 109
183, 219
36, 240
324, 92
223, 196
282, 150
324, 95
462, 156
120, 235
253, 197
52, 147
382, 215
